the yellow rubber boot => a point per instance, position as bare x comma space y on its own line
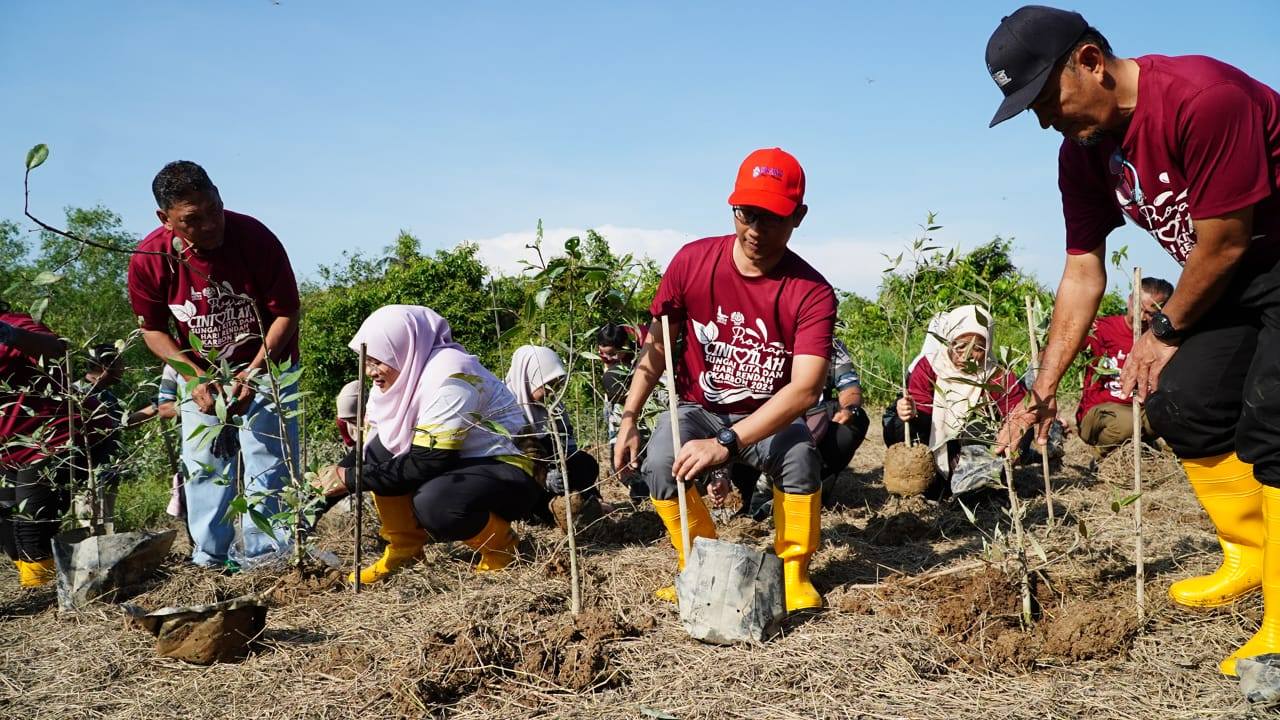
1267, 639
496, 544
35, 574
796, 527
700, 525
1232, 497
404, 537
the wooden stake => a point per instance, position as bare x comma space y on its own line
1139, 562
360, 463
673, 401
1044, 451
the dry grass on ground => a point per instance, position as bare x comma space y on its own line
903, 638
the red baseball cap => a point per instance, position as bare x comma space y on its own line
771, 179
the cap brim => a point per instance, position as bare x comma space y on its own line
1022, 99
774, 203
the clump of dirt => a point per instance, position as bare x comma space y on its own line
981, 616
854, 602
566, 652
586, 513
638, 528
908, 471
1086, 630
299, 583
899, 529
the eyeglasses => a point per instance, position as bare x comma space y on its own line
1129, 190
748, 215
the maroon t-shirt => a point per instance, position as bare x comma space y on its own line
742, 333
1108, 345
250, 261
1204, 140
25, 407
924, 378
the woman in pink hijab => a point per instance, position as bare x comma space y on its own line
433, 461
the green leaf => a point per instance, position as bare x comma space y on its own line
46, 278
1036, 548
183, 368
38, 308
196, 343
540, 299
36, 156
220, 408
262, 522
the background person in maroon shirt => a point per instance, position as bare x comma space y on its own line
757, 323
1188, 149
35, 471
212, 273
1105, 414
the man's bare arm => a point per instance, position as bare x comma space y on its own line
1220, 244
1084, 282
808, 374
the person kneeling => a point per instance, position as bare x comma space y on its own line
949, 385
434, 466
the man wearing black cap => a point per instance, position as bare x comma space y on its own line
1187, 148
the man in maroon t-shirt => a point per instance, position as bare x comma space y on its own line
1105, 414
757, 324
1188, 149
225, 279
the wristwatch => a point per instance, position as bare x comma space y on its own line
1162, 327
729, 439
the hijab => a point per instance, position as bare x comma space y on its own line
416, 341
532, 367
957, 388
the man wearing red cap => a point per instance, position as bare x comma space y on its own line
1188, 149
757, 323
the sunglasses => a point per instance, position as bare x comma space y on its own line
1129, 190
751, 215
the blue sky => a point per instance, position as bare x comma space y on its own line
338, 123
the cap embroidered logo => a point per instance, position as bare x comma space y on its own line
766, 170
1001, 77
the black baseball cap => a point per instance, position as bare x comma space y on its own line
1023, 50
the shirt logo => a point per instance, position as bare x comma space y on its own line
772, 172
1001, 77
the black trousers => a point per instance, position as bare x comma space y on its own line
455, 504
32, 503
1221, 390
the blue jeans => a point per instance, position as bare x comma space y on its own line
211, 481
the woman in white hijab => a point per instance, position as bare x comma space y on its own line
952, 375
434, 461
536, 376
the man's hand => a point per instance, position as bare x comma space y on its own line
242, 393
906, 409
332, 481
841, 417
626, 449
1039, 415
1142, 368
205, 396
719, 488
698, 456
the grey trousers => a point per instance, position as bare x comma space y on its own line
789, 457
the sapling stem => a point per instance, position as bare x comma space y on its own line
1034, 347
673, 401
1139, 562
359, 531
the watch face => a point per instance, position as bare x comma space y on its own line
727, 437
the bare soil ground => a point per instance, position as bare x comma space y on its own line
921, 624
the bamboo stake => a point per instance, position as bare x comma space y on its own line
673, 402
360, 463
1044, 451
575, 583
1015, 514
1139, 562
